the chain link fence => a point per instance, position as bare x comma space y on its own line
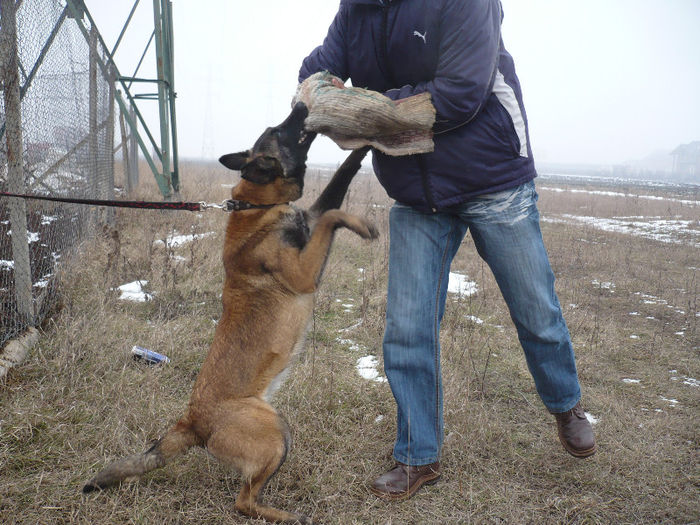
57, 120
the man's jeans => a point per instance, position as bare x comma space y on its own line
506, 232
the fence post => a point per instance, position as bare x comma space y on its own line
126, 157
15, 160
92, 120
109, 182
133, 152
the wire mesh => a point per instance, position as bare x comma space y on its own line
67, 141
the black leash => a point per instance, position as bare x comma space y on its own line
227, 205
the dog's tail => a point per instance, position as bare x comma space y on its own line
176, 442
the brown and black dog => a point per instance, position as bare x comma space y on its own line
273, 259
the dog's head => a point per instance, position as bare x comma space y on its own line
280, 152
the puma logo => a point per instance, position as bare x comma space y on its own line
416, 33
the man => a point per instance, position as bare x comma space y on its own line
479, 178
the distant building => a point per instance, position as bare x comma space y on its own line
686, 159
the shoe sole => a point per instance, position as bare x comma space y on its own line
396, 496
578, 453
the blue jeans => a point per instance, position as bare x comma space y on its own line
506, 232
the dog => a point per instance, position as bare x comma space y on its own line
274, 255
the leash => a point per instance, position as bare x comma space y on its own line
228, 205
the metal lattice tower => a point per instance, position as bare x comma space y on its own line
62, 101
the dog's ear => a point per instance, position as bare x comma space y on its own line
235, 161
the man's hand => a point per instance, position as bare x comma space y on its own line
337, 82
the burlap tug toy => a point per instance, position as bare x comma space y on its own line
355, 117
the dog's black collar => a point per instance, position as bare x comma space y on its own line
236, 205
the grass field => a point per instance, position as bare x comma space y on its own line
631, 302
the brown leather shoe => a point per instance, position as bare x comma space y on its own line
575, 432
402, 481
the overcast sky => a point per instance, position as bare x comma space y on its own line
604, 81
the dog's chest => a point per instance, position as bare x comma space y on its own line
295, 229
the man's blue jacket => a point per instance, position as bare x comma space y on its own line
453, 49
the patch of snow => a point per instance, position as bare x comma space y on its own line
674, 231
367, 368
378, 419
627, 380
474, 319
591, 418
605, 285
672, 402
352, 345
620, 194
460, 284
691, 382
173, 240
351, 327
133, 291
31, 236
44, 281
7, 264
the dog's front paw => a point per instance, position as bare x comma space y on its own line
367, 229
373, 231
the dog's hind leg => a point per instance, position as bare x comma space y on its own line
178, 440
332, 196
251, 437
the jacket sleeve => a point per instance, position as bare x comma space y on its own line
331, 55
467, 62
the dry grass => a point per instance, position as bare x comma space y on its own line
80, 400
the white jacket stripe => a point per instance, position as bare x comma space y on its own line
506, 96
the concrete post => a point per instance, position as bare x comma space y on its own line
15, 160
93, 164
109, 179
